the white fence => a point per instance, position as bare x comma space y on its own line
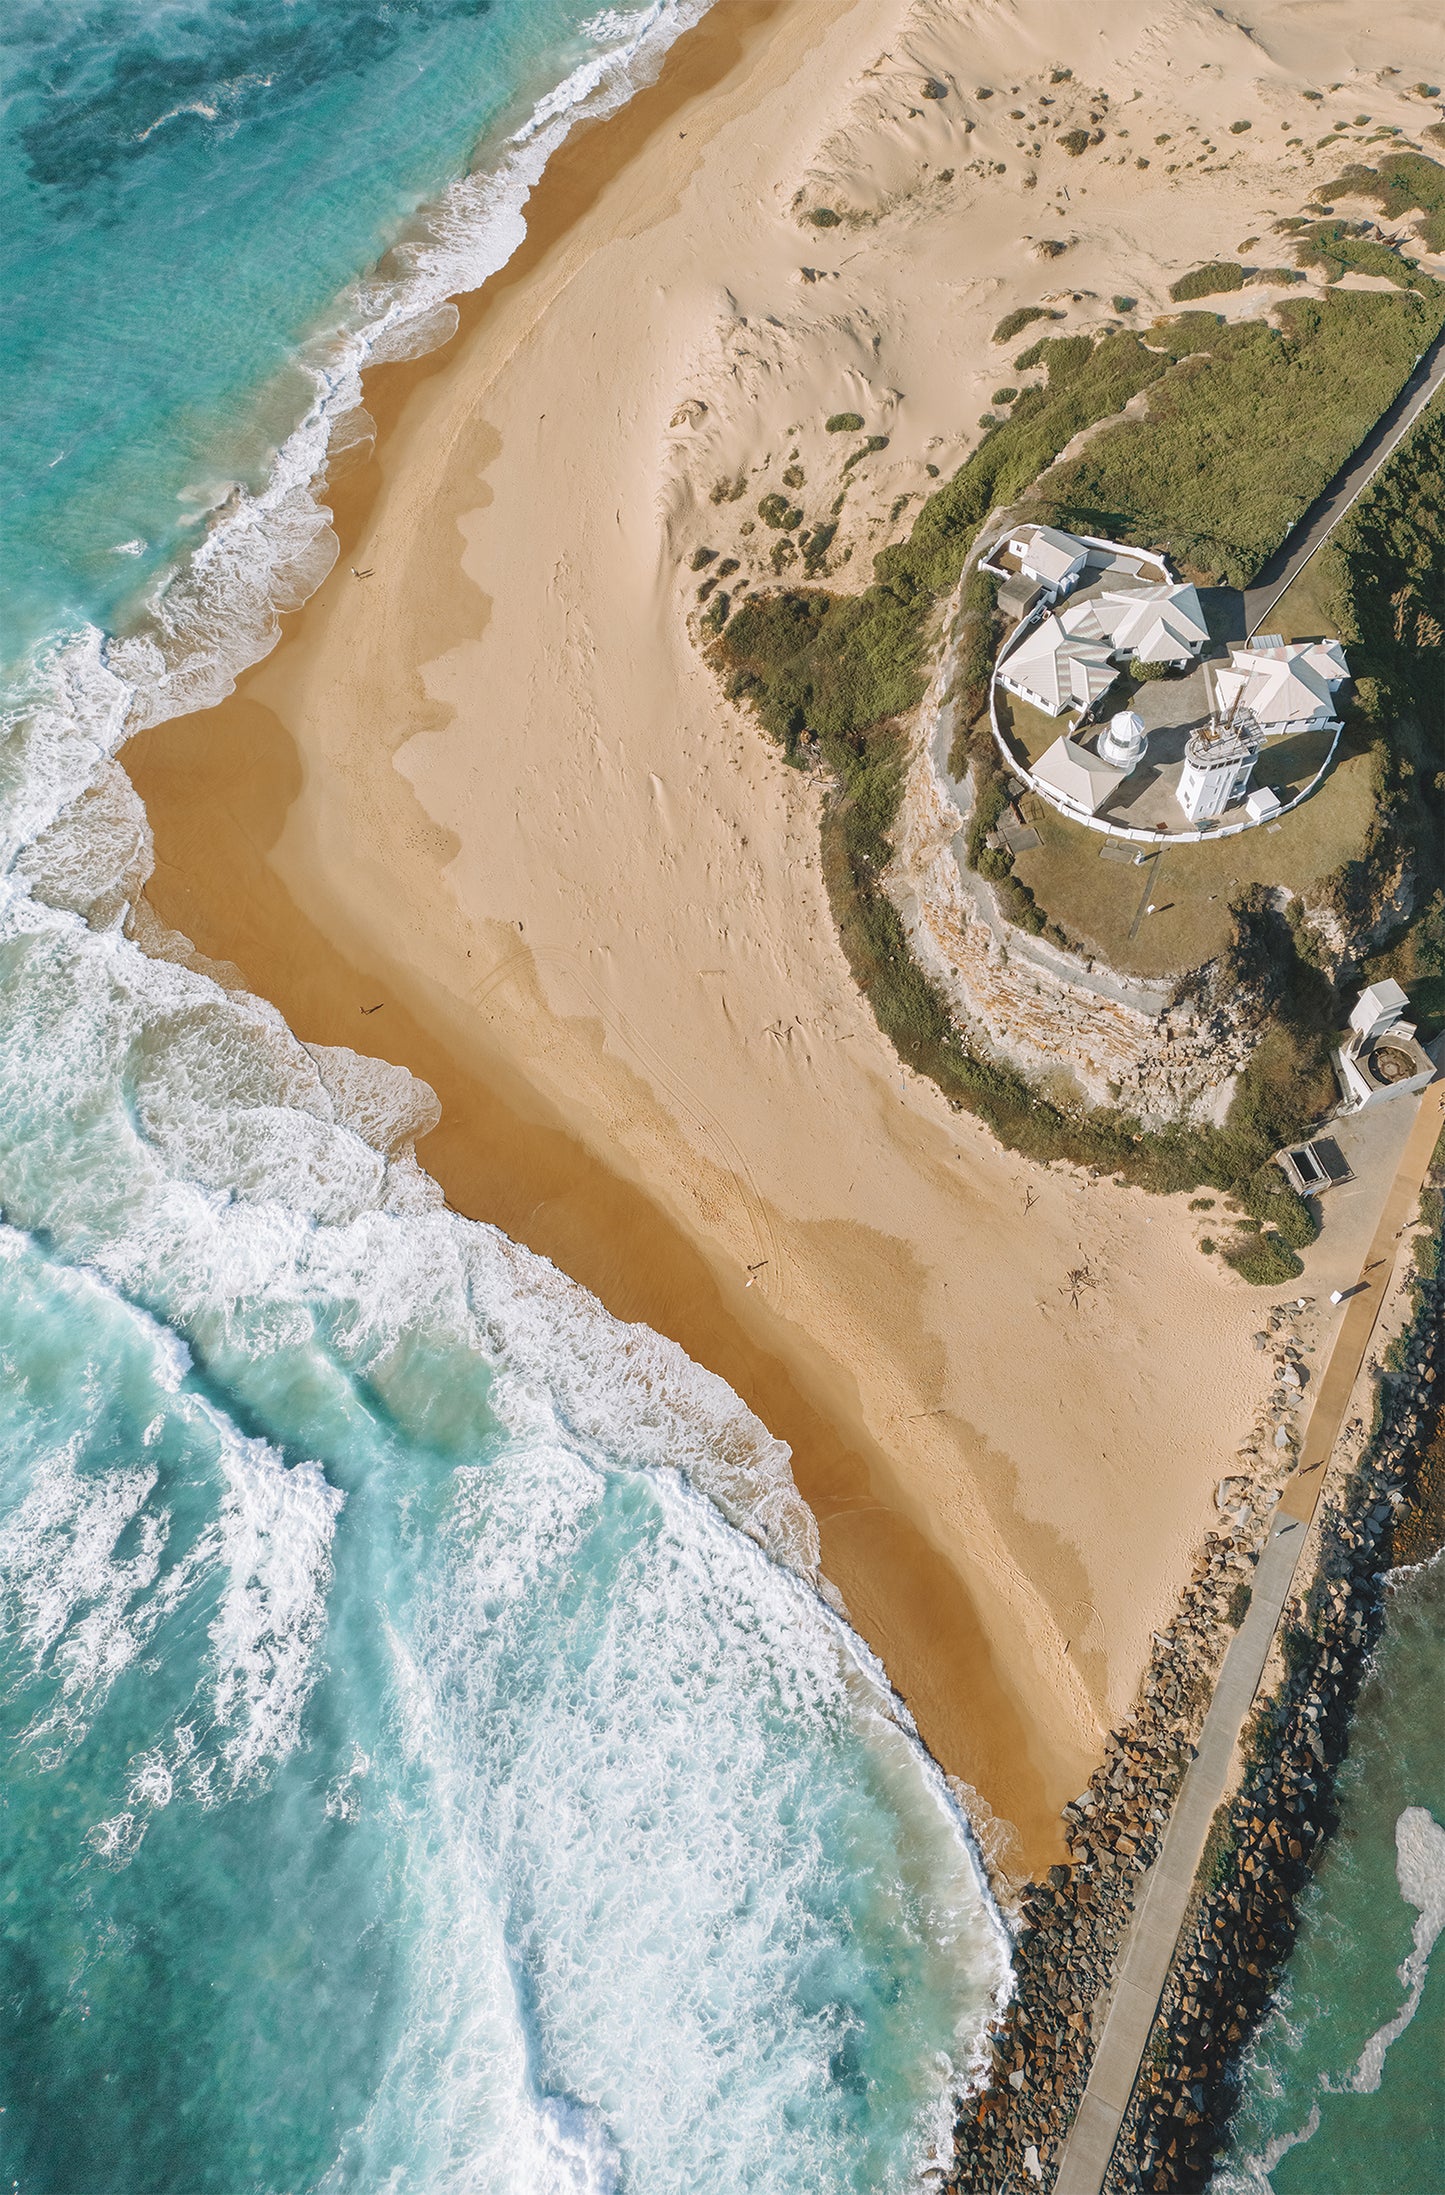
1070, 808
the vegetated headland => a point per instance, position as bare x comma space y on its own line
1205, 439
1386, 1508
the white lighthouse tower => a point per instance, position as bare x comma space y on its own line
1123, 740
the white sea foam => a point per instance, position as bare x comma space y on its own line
264, 553
604, 1815
1420, 1871
277, 1525
577, 1821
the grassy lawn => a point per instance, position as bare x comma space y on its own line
1309, 607
1031, 731
1096, 900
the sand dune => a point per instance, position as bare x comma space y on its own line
494, 789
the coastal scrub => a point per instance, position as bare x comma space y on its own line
1243, 426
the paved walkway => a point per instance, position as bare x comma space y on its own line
1325, 513
1154, 1931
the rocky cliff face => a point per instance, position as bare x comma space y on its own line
1047, 1012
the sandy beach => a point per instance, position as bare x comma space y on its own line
486, 813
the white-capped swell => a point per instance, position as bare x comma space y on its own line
684, 1898
1420, 1867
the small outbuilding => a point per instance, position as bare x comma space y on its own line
1018, 595
1053, 558
1079, 778
1381, 1057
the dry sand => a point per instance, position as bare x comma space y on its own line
493, 790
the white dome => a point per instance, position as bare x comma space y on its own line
1125, 739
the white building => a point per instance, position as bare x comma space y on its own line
1218, 762
1381, 1058
1053, 558
1158, 624
1075, 778
1124, 740
1286, 687
1056, 670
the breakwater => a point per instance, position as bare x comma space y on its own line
1242, 1924
1266, 1842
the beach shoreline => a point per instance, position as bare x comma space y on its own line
486, 814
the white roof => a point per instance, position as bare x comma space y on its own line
1079, 775
1157, 623
1052, 553
1059, 667
1281, 684
1384, 997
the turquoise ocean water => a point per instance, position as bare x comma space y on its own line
1345, 2086
429, 1761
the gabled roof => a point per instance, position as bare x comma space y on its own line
1157, 623
1280, 684
1059, 667
1079, 775
1153, 622
1276, 695
1052, 553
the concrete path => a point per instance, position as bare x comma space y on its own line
1362, 1308
1154, 1931
1324, 514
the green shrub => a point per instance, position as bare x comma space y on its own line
1237, 129
776, 511
976, 651
874, 443
845, 423
989, 801
1014, 323
1263, 1260
1268, 1197
1238, 441
1207, 1245
815, 546
1338, 248
1019, 904
823, 217
1004, 395
1074, 142
1210, 281
1123, 304
1142, 672
701, 558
